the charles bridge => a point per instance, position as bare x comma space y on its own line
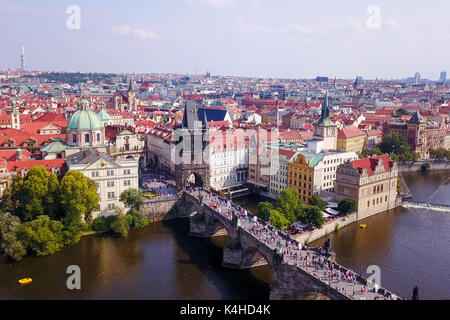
291, 279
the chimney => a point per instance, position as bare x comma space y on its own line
19, 154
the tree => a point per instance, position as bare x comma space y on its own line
347, 205
289, 204
79, 199
121, 225
394, 143
264, 210
42, 235
318, 202
137, 219
278, 220
132, 198
9, 242
35, 194
100, 224
313, 216
369, 153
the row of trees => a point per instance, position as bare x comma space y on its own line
40, 214
440, 154
396, 146
288, 208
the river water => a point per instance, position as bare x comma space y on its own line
412, 247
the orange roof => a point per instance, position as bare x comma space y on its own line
350, 132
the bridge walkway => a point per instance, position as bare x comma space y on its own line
305, 259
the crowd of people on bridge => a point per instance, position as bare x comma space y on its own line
314, 261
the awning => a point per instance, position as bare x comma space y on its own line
325, 215
332, 212
257, 183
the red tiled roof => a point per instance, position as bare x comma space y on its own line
11, 154
370, 163
18, 166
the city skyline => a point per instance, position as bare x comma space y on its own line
249, 38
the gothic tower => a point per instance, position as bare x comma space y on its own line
131, 95
192, 149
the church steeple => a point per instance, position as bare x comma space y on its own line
325, 116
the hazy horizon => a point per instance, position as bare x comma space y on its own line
286, 39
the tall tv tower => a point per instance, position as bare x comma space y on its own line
22, 59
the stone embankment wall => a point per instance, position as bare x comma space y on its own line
326, 229
434, 165
162, 210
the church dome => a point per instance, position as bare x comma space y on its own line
85, 120
104, 115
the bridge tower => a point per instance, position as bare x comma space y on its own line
192, 149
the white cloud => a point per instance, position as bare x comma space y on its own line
210, 3
125, 30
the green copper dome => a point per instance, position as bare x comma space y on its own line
104, 115
85, 120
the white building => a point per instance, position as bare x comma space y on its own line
228, 161
325, 170
111, 177
279, 162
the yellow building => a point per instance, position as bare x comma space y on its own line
301, 175
351, 139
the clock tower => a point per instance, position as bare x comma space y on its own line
325, 129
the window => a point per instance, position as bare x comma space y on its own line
110, 173
127, 183
385, 199
368, 204
111, 195
110, 184
74, 138
86, 137
94, 174
98, 137
111, 206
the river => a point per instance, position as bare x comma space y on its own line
162, 262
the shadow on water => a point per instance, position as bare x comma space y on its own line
207, 254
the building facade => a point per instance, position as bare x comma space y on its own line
372, 182
351, 139
421, 135
111, 177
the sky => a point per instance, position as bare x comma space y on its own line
253, 38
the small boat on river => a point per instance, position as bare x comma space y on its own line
25, 281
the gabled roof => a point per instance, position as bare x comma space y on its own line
370, 164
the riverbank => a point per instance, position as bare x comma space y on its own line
415, 167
